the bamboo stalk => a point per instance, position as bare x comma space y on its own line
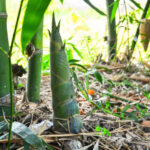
112, 36
4, 63
34, 66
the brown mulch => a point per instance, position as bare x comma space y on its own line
127, 133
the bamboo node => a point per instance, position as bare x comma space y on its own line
36, 52
3, 15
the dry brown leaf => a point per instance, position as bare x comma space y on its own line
81, 99
139, 78
146, 63
32, 105
146, 123
117, 77
81, 112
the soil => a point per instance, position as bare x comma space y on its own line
117, 119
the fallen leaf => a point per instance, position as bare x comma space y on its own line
91, 92
81, 99
146, 63
140, 78
81, 112
146, 123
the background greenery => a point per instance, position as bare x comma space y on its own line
83, 30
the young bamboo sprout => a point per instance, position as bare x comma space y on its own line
66, 114
145, 32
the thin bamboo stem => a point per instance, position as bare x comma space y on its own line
10, 75
95, 8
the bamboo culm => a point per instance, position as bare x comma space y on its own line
112, 36
4, 63
34, 66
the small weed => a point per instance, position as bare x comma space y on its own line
103, 131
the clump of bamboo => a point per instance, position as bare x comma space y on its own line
66, 114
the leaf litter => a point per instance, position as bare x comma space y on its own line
115, 113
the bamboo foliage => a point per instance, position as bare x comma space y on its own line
32, 18
66, 114
145, 32
4, 62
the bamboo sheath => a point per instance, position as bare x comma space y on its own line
145, 32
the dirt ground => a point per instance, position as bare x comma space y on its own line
117, 119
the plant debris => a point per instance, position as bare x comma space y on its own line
115, 115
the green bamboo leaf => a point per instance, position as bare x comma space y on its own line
33, 16
136, 4
75, 49
62, 1
47, 145
73, 61
146, 115
27, 135
75, 78
26, 145
148, 13
79, 65
3, 51
87, 82
115, 7
4, 136
132, 115
98, 76
126, 108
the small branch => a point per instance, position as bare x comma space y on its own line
54, 137
126, 11
103, 68
95, 8
15, 29
4, 52
122, 99
10, 75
